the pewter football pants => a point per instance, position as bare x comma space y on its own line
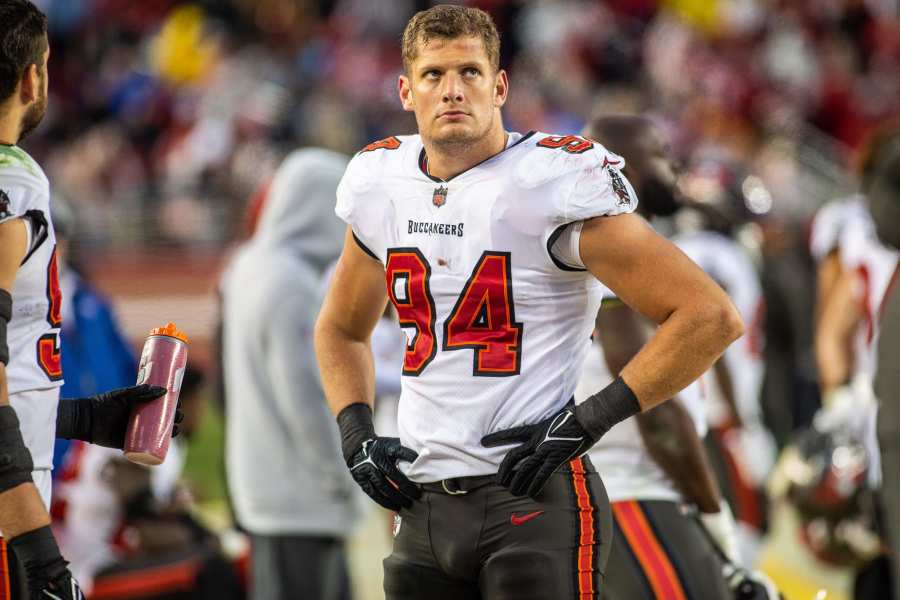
487, 544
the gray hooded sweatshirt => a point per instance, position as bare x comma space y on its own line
286, 475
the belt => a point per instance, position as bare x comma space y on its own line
457, 486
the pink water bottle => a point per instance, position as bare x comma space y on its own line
162, 363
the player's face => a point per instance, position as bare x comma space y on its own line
454, 91
36, 110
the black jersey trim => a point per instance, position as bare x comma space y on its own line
552, 240
363, 247
40, 231
423, 160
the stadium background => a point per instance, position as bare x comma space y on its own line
167, 117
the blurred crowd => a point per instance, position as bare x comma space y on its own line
166, 115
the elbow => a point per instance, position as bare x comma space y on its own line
724, 323
731, 323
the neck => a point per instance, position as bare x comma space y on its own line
10, 126
448, 160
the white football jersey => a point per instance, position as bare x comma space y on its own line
34, 372
830, 220
496, 329
33, 331
729, 265
876, 269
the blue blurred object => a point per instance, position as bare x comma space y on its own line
95, 354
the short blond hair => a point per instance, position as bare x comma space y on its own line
450, 21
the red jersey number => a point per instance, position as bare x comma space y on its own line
483, 318
48, 353
407, 274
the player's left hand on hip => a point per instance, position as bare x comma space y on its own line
544, 447
103, 419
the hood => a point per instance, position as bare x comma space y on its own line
298, 215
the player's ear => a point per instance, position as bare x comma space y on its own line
501, 88
31, 84
405, 91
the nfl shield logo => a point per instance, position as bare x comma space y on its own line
396, 528
440, 196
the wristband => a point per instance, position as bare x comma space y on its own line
73, 419
355, 423
16, 464
613, 404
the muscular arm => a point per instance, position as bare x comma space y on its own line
21, 508
667, 430
840, 317
696, 319
352, 307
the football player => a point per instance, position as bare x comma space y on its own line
654, 466
31, 415
455, 227
741, 448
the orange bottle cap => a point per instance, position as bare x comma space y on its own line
171, 331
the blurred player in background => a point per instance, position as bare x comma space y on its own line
884, 200
31, 415
655, 465
473, 230
847, 339
741, 448
286, 480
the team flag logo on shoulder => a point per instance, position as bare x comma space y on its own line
440, 196
618, 186
4, 205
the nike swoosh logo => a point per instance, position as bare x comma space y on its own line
524, 518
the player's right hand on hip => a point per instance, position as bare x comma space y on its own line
374, 468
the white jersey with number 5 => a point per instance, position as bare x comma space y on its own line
497, 328
34, 371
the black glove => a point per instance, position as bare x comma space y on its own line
553, 442
103, 419
545, 447
373, 460
48, 577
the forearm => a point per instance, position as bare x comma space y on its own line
671, 439
22, 510
21, 507
346, 367
684, 346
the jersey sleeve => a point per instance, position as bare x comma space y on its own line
357, 206
24, 194
599, 187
